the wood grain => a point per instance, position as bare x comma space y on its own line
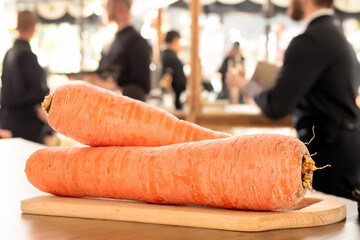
314, 210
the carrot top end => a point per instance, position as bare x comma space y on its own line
307, 172
308, 167
46, 104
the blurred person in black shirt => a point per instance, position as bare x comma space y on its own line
318, 83
127, 58
224, 69
172, 65
24, 85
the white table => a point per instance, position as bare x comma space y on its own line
17, 226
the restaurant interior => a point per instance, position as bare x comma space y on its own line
68, 43
72, 33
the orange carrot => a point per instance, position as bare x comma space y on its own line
98, 117
259, 172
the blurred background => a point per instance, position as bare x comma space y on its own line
72, 33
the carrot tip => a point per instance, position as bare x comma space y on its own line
46, 104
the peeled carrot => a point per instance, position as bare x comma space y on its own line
258, 172
98, 117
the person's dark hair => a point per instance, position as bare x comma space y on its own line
324, 3
26, 20
171, 35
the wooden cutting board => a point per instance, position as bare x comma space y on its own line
313, 210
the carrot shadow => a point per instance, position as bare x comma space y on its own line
49, 227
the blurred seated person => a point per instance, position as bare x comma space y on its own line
24, 86
228, 64
172, 67
318, 83
126, 60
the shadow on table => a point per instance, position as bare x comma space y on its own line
47, 227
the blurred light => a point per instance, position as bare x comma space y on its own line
54, 10
42, 57
153, 14
147, 32
100, 38
186, 31
216, 82
141, 7
153, 67
182, 42
94, 7
184, 20
187, 69
9, 19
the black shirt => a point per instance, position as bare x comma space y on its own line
319, 79
172, 64
319, 82
170, 61
23, 80
223, 70
128, 56
23, 87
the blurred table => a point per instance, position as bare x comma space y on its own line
222, 117
233, 115
15, 225
238, 115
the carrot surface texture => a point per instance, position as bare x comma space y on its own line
98, 117
257, 172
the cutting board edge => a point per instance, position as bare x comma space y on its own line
247, 221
